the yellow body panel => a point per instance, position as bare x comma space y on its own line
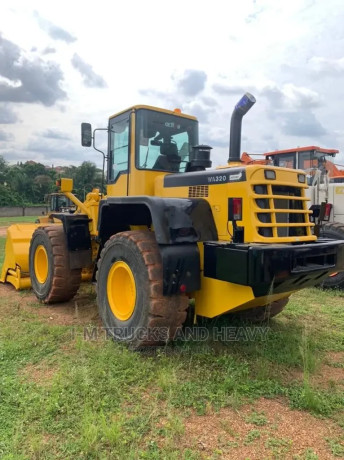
218, 195
218, 297
119, 188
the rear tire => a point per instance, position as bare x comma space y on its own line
52, 279
333, 231
263, 314
130, 292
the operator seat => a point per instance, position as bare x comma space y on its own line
168, 160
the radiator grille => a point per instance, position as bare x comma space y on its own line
281, 211
198, 191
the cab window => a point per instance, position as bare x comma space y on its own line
118, 147
285, 160
164, 141
308, 160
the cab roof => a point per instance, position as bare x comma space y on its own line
176, 112
303, 149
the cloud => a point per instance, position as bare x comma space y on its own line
228, 90
90, 78
33, 81
192, 82
210, 101
7, 115
274, 95
327, 66
149, 92
197, 110
55, 32
218, 143
49, 148
287, 96
48, 151
301, 123
6, 136
201, 113
54, 134
291, 96
215, 137
48, 50
252, 17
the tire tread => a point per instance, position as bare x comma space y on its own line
164, 311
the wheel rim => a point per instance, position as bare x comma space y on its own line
121, 290
41, 264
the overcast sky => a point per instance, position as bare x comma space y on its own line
65, 62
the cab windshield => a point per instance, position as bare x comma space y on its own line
285, 160
164, 141
311, 162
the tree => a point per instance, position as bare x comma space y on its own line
28, 183
3, 170
8, 197
86, 177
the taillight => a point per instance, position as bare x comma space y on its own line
328, 208
234, 209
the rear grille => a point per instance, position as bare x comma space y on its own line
281, 211
198, 191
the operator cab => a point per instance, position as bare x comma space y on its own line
310, 159
162, 141
145, 142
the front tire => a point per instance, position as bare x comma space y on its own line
52, 279
130, 292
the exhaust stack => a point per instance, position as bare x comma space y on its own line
242, 107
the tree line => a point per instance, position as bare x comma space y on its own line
29, 183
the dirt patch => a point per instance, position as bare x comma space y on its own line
329, 373
41, 373
3, 231
327, 376
279, 433
81, 310
335, 357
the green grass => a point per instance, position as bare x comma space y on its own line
64, 397
5, 221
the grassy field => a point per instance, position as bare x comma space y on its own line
5, 221
64, 395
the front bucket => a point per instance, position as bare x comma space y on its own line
15, 269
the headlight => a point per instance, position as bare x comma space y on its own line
301, 178
270, 174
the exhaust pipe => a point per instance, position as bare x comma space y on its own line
242, 107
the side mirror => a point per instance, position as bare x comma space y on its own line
86, 134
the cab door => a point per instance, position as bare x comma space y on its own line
118, 155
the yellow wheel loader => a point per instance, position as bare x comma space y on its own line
235, 239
